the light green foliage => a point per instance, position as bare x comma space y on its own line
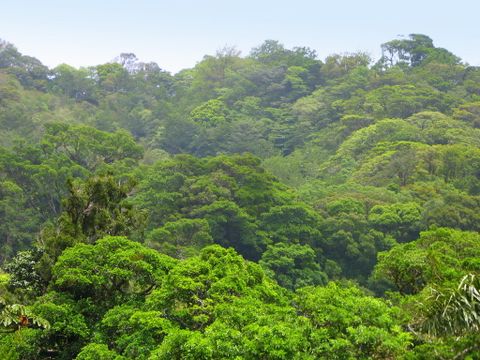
192, 290
439, 270
348, 324
88, 280
97, 352
470, 113
211, 113
437, 128
113, 269
385, 130
213, 305
243, 330
134, 332
67, 332
213, 309
390, 163
21, 344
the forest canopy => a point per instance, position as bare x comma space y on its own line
268, 206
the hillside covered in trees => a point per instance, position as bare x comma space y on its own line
267, 206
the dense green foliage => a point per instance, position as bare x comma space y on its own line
271, 206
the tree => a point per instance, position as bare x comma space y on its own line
28, 70
112, 77
25, 277
337, 65
295, 223
193, 290
347, 323
182, 238
18, 220
469, 113
14, 317
438, 257
451, 311
292, 265
404, 163
77, 84
111, 271
231, 226
97, 351
402, 221
95, 208
211, 113
414, 51
88, 146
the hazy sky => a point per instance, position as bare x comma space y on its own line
176, 34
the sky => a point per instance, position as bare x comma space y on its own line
177, 34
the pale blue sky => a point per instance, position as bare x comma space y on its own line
176, 34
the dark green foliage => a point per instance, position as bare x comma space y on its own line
181, 238
230, 193
402, 221
18, 221
24, 273
98, 208
293, 223
292, 265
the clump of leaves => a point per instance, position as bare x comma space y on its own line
16, 316
452, 311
